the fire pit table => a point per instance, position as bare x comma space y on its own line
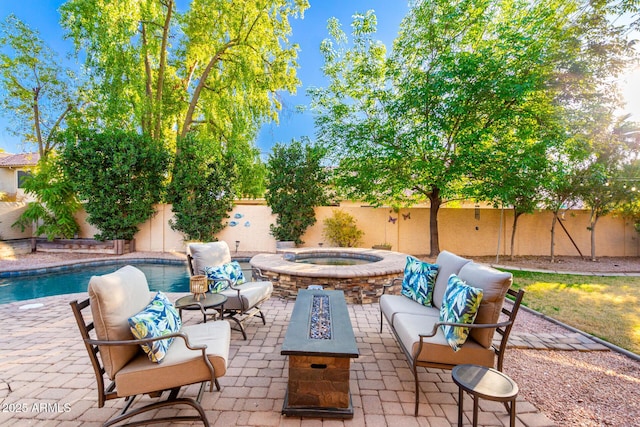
320, 344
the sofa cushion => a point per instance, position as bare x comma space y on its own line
251, 294
157, 319
208, 254
419, 280
449, 264
230, 270
436, 349
459, 305
494, 285
143, 376
114, 298
390, 305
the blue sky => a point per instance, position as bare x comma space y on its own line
42, 15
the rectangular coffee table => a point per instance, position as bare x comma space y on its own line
320, 344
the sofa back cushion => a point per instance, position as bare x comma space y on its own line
448, 264
210, 254
494, 285
114, 298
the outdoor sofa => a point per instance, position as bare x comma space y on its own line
418, 323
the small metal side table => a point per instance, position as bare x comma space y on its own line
486, 383
208, 301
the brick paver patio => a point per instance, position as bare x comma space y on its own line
46, 378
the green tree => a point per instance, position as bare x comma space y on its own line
296, 183
119, 175
215, 68
37, 94
202, 190
604, 185
413, 126
56, 202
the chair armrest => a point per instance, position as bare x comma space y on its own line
464, 325
385, 286
181, 335
257, 274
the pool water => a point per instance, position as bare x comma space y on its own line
325, 260
161, 277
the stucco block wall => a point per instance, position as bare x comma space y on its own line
467, 231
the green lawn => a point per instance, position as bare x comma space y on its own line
606, 307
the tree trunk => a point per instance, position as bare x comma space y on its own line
161, 72
516, 215
436, 201
594, 221
553, 235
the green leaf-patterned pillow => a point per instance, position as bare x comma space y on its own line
158, 318
459, 305
419, 281
231, 270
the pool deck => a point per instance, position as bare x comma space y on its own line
46, 378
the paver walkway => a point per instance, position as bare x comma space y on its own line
46, 378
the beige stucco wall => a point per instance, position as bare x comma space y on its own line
9, 213
461, 230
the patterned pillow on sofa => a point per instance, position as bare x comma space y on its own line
419, 281
459, 305
231, 270
158, 318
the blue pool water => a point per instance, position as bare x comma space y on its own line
161, 277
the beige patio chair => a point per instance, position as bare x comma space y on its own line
243, 300
197, 355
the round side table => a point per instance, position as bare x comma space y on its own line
208, 301
486, 383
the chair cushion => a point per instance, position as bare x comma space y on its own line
158, 318
459, 305
230, 270
208, 254
494, 285
390, 305
251, 294
448, 264
114, 298
436, 349
419, 281
181, 365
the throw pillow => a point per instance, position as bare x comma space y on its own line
159, 318
419, 281
231, 270
459, 305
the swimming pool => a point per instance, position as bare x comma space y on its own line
166, 277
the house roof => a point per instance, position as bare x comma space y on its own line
18, 160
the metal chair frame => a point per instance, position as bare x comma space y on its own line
108, 392
239, 316
502, 328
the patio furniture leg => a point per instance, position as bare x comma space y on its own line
460, 410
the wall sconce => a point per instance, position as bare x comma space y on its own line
237, 244
477, 212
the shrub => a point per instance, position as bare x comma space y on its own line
55, 204
202, 189
341, 230
119, 176
296, 184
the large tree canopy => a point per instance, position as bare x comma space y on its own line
36, 92
423, 122
215, 68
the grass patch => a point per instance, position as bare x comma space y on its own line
606, 307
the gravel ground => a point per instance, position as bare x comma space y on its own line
597, 388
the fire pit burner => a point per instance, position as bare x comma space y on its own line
320, 328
